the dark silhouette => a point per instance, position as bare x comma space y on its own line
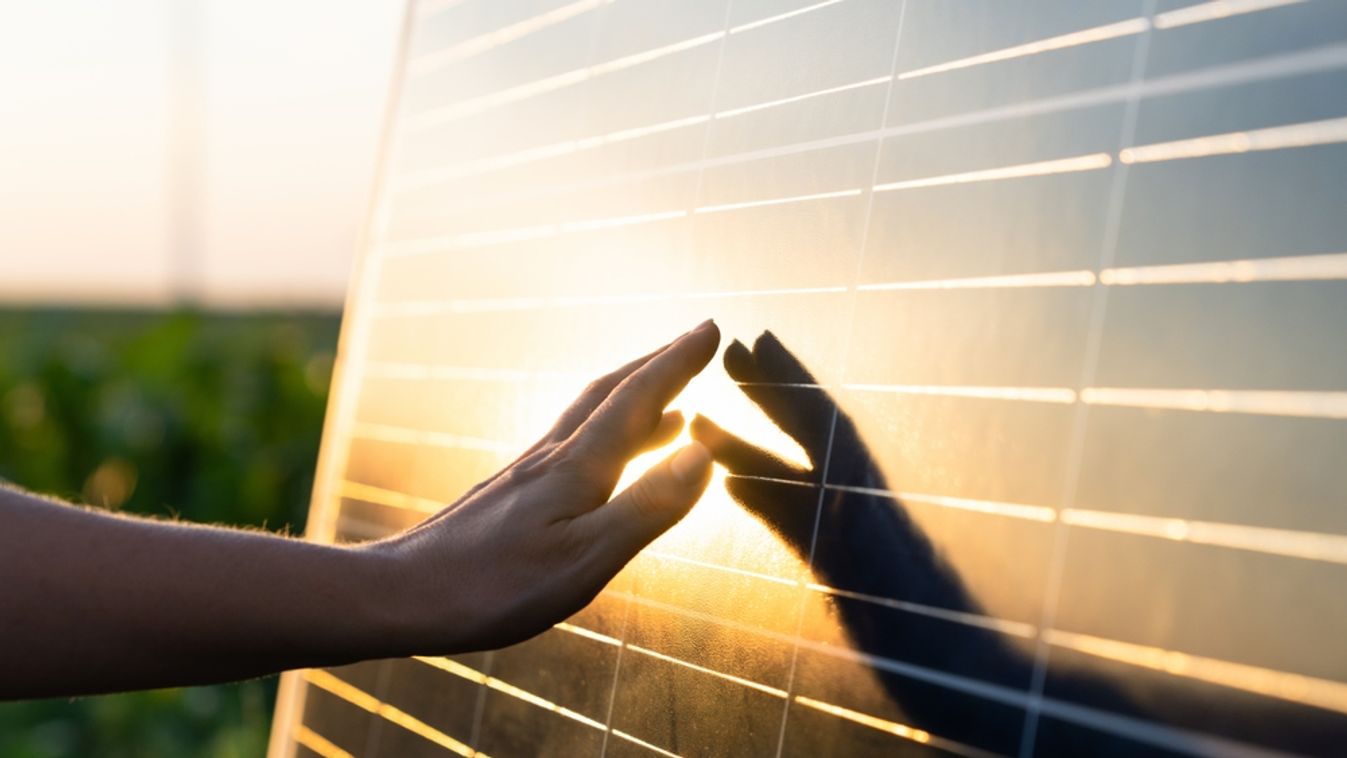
865, 542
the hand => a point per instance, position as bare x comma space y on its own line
537, 541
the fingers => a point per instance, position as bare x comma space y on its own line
595, 394
778, 383
741, 457
670, 426
651, 505
614, 432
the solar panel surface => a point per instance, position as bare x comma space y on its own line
1044, 303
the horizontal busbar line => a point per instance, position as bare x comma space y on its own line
1014, 628
663, 556
1284, 269
471, 106
357, 697
830, 708
452, 666
588, 633
642, 743
1296, 688
1039, 513
749, 683
741, 28
434, 60
742, 110
1304, 545
426, 177
404, 435
1280, 66
469, 240
318, 743
1104, 721
392, 498
893, 727
1115, 30
1126, 28
416, 309
1306, 134
1090, 162
466, 672
431, 176
1306, 404
1323, 267
438, 116
1059, 395
778, 201
1078, 278
1310, 546
1214, 11
437, 59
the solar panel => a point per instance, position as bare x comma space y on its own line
1042, 304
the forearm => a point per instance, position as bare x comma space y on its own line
92, 602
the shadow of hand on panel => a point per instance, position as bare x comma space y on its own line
916, 611
906, 607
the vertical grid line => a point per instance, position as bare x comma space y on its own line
695, 201
862, 244
1089, 363
479, 708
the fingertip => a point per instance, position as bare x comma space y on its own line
739, 362
692, 464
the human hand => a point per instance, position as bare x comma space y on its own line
537, 541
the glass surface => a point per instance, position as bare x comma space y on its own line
1042, 305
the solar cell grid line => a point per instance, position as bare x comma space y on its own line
833, 421
427, 177
1181, 740
1125, 28
435, 60
873, 722
444, 114
1308, 545
318, 743
1327, 266
720, 38
355, 696
1088, 366
432, 175
1266, 68
432, 61
1273, 138
1309, 134
1215, 10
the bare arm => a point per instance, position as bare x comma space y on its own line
92, 602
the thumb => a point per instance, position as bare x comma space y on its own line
653, 503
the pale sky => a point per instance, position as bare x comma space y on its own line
291, 103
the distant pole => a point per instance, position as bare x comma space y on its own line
187, 148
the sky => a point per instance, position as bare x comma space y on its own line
219, 151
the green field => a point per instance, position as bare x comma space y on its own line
199, 416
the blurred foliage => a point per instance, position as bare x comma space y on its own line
200, 416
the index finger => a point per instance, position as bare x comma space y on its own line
618, 428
